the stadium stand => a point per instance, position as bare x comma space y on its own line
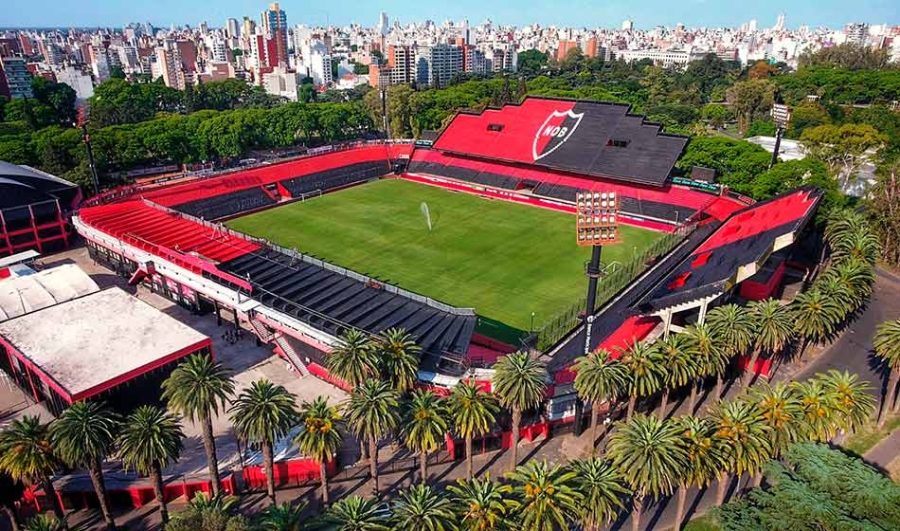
334, 178
593, 138
225, 205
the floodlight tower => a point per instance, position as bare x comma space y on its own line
781, 114
596, 225
82, 122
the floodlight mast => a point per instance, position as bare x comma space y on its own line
781, 115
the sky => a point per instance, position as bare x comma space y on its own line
577, 13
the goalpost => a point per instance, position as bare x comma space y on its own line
310, 195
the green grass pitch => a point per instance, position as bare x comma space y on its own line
503, 259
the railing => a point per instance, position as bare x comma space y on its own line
609, 286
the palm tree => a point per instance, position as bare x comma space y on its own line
704, 458
746, 439
858, 276
733, 328
45, 522
852, 398
398, 357
887, 349
819, 408
320, 436
83, 436
546, 495
774, 328
680, 367
602, 489
196, 390
353, 361
355, 513
372, 413
473, 412
483, 504
424, 426
644, 364
843, 223
834, 289
782, 411
519, 383
283, 517
711, 358
421, 508
27, 455
647, 453
599, 379
815, 316
263, 414
150, 439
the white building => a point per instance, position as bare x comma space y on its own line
664, 58
281, 83
320, 68
79, 81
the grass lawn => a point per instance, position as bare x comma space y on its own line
866, 437
503, 259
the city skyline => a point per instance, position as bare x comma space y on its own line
705, 13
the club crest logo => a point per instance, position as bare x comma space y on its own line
553, 133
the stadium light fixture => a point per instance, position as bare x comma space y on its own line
781, 115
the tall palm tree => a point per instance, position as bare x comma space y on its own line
819, 409
734, 329
704, 458
746, 439
483, 505
852, 398
425, 425
547, 497
887, 349
680, 367
520, 383
196, 390
858, 276
353, 361
843, 223
372, 413
421, 508
398, 357
283, 517
644, 364
782, 410
602, 489
834, 289
320, 436
27, 455
815, 316
354, 513
473, 412
647, 453
262, 414
599, 379
150, 439
774, 329
710, 356
83, 436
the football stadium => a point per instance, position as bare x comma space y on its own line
468, 242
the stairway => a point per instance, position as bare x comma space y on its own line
291, 354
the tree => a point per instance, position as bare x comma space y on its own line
852, 398
354, 513
44, 522
83, 436
197, 389
420, 507
819, 409
320, 436
520, 383
11, 491
474, 412
398, 357
27, 455
847, 56
283, 517
644, 364
599, 378
842, 147
483, 505
546, 496
883, 204
205, 513
704, 458
263, 414
150, 439
762, 70
531, 62
750, 100
773, 331
815, 316
679, 366
424, 427
647, 453
353, 361
602, 490
887, 349
373, 413
805, 116
746, 440
711, 359
782, 410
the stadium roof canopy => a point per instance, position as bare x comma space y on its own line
92, 343
599, 139
30, 293
22, 185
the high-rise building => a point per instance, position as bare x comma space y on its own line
563, 49
18, 78
857, 33
779, 24
383, 24
281, 82
474, 61
320, 68
627, 25
232, 29
274, 24
78, 80
436, 65
98, 58
402, 60
248, 28
168, 61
